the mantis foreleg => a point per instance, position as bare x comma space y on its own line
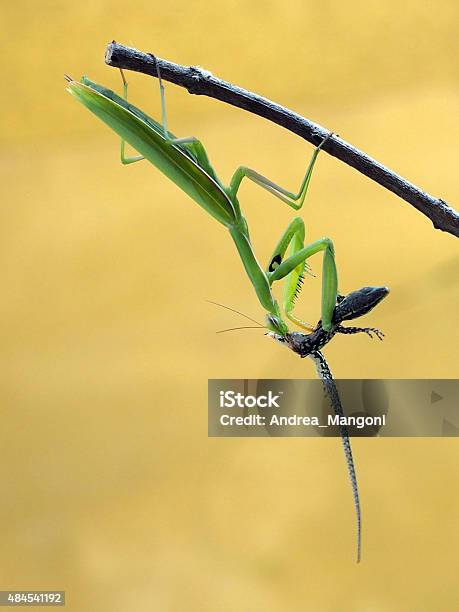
293, 237
293, 268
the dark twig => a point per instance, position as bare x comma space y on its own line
200, 82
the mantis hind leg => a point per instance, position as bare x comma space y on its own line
191, 144
293, 268
295, 200
124, 159
195, 146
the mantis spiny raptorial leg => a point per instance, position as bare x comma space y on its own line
185, 162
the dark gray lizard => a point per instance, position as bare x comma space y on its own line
348, 307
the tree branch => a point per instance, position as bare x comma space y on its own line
201, 82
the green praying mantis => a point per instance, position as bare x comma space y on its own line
185, 162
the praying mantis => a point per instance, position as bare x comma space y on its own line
185, 162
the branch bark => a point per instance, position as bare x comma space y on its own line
201, 82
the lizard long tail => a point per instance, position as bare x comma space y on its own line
325, 375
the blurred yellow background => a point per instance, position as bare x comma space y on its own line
110, 487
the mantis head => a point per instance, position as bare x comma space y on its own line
300, 343
276, 326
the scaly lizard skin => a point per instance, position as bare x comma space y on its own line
354, 305
332, 392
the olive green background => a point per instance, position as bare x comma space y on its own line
110, 488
